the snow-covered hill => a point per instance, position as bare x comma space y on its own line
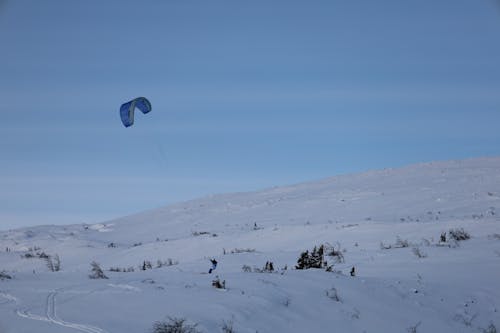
387, 223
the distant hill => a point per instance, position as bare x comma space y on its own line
397, 227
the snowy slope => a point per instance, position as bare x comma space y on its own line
452, 287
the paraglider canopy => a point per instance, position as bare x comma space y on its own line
127, 109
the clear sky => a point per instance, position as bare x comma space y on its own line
245, 95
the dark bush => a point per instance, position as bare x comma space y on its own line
459, 234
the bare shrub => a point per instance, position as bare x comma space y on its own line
401, 243
168, 262
334, 252
146, 264
458, 234
57, 263
5, 276
385, 247
42, 255
465, 319
53, 263
269, 267
413, 329
333, 294
123, 270
50, 264
97, 272
247, 250
174, 325
490, 329
494, 236
227, 327
216, 283
442, 238
200, 233
28, 255
420, 254
246, 269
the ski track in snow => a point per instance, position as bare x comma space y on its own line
8, 298
51, 316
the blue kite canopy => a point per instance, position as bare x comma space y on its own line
127, 109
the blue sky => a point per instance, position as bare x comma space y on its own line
245, 95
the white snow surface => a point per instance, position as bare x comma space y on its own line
453, 287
